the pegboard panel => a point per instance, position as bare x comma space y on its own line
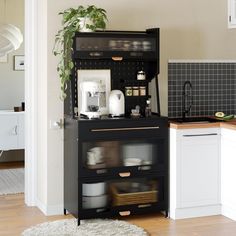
123, 74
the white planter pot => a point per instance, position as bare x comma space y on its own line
83, 22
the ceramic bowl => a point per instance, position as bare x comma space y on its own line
95, 202
94, 189
132, 162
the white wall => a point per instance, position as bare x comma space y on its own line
190, 29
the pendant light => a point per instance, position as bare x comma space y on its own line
10, 37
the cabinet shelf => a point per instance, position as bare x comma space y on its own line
116, 172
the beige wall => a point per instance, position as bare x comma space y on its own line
12, 82
190, 29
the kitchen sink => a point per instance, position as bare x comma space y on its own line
200, 119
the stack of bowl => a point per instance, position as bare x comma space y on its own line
94, 195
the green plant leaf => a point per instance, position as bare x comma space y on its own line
64, 38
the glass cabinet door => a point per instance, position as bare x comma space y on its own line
126, 153
115, 44
141, 192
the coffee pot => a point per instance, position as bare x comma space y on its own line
116, 103
93, 99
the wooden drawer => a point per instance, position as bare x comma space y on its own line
122, 128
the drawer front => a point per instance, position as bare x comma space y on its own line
123, 172
123, 211
123, 129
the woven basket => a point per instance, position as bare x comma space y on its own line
120, 199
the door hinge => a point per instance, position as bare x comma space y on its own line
229, 18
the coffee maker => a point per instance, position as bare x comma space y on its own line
92, 99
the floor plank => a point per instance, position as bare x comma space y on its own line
15, 216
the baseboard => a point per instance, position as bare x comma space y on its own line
192, 212
229, 212
50, 210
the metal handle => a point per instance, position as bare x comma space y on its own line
95, 54
125, 129
16, 130
144, 205
124, 174
117, 58
199, 135
124, 213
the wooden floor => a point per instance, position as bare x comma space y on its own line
15, 217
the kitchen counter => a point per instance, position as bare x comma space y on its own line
224, 124
202, 169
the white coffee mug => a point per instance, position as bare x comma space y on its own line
91, 159
98, 154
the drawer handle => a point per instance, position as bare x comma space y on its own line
124, 174
124, 213
144, 205
199, 135
125, 129
14, 130
117, 58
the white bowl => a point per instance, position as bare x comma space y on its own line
132, 162
95, 202
94, 189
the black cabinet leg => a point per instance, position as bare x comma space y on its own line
78, 222
166, 213
64, 211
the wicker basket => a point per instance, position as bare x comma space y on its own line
120, 199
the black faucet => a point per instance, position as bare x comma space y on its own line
186, 96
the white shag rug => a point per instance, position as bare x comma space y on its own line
11, 181
95, 227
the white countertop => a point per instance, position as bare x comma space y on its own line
7, 112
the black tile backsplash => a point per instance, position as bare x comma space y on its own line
213, 87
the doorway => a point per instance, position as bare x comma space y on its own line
12, 100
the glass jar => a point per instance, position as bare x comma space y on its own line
135, 91
128, 91
142, 91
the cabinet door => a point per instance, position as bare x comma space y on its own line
228, 164
8, 132
21, 131
232, 13
199, 170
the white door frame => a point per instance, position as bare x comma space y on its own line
31, 95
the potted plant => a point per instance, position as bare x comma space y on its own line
81, 19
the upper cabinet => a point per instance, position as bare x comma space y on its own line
116, 45
232, 13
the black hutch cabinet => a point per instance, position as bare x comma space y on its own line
133, 175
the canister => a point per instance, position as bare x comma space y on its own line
142, 91
135, 91
141, 75
128, 91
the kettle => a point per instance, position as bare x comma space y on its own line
116, 103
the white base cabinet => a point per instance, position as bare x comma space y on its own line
228, 172
11, 130
194, 172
